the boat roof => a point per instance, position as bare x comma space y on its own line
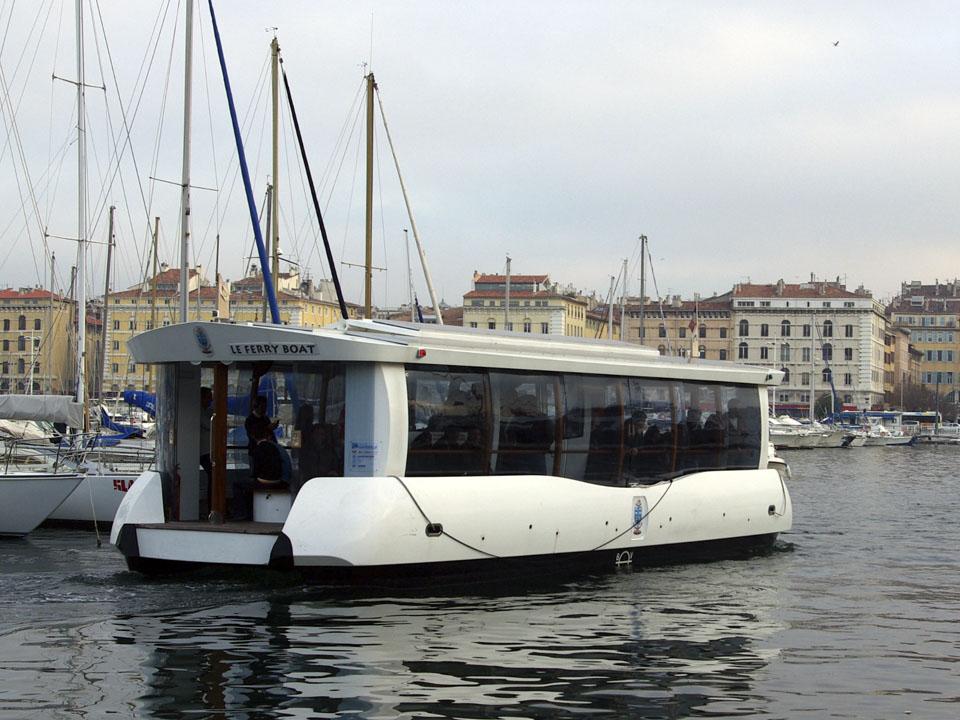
392, 341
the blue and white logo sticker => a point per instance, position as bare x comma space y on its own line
203, 341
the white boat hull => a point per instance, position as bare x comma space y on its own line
27, 499
96, 499
813, 439
365, 523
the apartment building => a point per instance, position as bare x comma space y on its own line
536, 306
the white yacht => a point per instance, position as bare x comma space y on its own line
423, 450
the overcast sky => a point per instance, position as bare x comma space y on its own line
749, 140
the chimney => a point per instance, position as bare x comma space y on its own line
780, 287
164, 267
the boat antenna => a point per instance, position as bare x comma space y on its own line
313, 195
247, 186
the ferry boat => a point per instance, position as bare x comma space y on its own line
419, 451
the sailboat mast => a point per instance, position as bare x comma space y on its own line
643, 280
506, 299
185, 167
406, 239
623, 302
81, 218
106, 308
275, 94
153, 289
368, 226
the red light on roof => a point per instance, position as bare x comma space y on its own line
421, 353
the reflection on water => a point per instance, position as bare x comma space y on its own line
653, 644
853, 616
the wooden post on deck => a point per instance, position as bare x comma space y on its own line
218, 453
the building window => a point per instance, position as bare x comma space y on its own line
785, 328
36, 324
6, 367
526, 326
491, 324
6, 346
6, 324
703, 331
683, 332
805, 354
509, 327
764, 353
702, 352
116, 344
744, 328
764, 330
545, 328
785, 353
827, 328
806, 331
827, 352
827, 375
662, 331
116, 324
21, 343
847, 379
114, 368
36, 343
786, 375
723, 354
473, 324
848, 330
22, 322
742, 351
805, 378
723, 334
133, 324
848, 353
21, 366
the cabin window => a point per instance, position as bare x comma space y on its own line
447, 422
600, 429
525, 420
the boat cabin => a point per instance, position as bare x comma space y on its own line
371, 398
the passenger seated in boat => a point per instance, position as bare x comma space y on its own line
268, 461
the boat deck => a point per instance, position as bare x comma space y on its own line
245, 527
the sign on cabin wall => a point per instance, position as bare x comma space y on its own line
261, 349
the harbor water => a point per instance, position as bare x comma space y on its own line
854, 615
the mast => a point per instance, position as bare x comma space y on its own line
106, 308
506, 304
610, 311
623, 301
413, 316
413, 223
275, 214
643, 280
185, 168
269, 224
153, 288
368, 226
81, 221
48, 335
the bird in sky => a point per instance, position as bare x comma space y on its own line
836, 43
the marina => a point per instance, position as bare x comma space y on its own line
852, 615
